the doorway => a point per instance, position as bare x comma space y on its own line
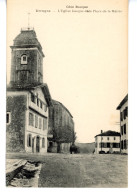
33, 145
37, 144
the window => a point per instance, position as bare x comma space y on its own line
31, 119
29, 140
125, 112
45, 108
32, 97
40, 123
102, 138
125, 144
8, 117
114, 138
104, 145
37, 102
121, 116
124, 128
36, 121
122, 144
24, 59
107, 138
41, 104
44, 123
43, 142
95, 145
121, 130
116, 145
108, 145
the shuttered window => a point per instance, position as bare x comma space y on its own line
124, 128
36, 121
121, 130
32, 97
125, 144
31, 119
40, 124
44, 123
29, 140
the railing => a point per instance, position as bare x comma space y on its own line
27, 28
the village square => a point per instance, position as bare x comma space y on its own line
41, 141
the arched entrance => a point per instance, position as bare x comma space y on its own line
37, 144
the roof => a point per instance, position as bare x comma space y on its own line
109, 133
54, 102
122, 102
27, 38
29, 87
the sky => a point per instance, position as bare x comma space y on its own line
85, 64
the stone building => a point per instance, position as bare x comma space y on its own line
108, 142
61, 125
123, 107
35, 122
28, 98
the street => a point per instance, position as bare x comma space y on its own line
80, 170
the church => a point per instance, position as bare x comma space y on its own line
28, 98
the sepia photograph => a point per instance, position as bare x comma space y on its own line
67, 94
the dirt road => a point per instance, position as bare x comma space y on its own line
84, 171
80, 170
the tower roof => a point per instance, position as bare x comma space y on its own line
122, 102
109, 133
27, 38
55, 102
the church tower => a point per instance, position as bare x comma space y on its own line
26, 59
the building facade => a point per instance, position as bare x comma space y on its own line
123, 108
107, 142
35, 122
61, 125
28, 98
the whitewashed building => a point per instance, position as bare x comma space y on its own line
107, 142
123, 107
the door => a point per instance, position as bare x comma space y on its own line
38, 144
33, 145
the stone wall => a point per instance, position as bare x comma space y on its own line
61, 124
15, 133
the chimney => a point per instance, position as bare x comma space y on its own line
101, 131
